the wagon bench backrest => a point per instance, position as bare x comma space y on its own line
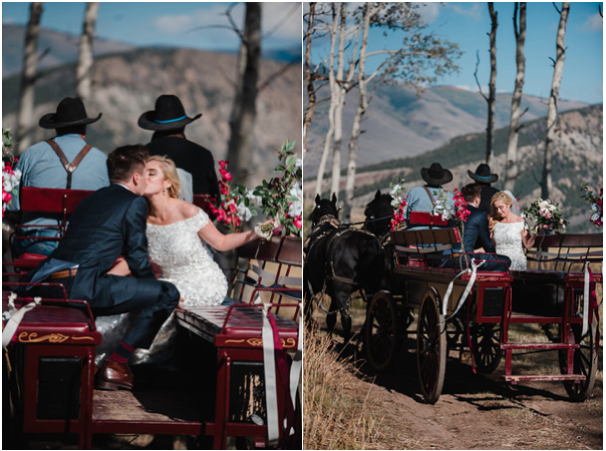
561, 252
434, 239
273, 270
62, 202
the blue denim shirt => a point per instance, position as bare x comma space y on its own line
40, 167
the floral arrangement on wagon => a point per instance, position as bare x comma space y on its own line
547, 216
235, 205
596, 202
398, 202
281, 198
10, 176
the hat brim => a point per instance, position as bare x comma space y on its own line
478, 178
431, 181
147, 122
48, 121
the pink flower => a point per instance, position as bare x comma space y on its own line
227, 176
298, 223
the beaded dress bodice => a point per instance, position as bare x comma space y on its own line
508, 241
186, 262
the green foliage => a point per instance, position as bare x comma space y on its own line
281, 196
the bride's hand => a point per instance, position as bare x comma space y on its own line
181, 301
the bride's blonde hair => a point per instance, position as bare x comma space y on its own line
494, 216
169, 170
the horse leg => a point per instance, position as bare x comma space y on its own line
346, 321
331, 320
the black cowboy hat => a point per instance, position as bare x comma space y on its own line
168, 115
70, 111
436, 175
483, 175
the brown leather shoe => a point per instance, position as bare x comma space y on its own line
115, 376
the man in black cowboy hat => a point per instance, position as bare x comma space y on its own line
46, 164
484, 179
168, 121
424, 198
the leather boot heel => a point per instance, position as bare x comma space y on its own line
104, 385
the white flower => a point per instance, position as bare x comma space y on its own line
543, 204
295, 209
255, 200
296, 190
244, 212
395, 202
299, 163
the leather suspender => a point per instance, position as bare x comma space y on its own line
69, 167
430, 195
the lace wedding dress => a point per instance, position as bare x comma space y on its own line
508, 241
187, 263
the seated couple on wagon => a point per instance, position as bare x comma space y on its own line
118, 221
502, 232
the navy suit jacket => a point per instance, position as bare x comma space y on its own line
107, 224
477, 233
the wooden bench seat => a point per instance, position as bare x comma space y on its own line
57, 323
236, 326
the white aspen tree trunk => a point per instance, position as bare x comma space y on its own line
492, 86
340, 104
85, 56
333, 98
244, 112
309, 82
552, 114
25, 110
357, 123
511, 162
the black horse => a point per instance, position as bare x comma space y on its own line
339, 260
379, 212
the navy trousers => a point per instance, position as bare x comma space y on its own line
155, 300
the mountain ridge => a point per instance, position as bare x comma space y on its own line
398, 122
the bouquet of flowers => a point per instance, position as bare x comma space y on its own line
10, 176
597, 211
398, 202
546, 216
235, 205
281, 199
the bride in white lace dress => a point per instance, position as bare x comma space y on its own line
509, 231
175, 234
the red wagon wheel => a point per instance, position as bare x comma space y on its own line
487, 347
585, 360
380, 336
431, 348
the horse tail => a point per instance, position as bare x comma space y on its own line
371, 267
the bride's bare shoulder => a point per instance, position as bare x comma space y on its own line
186, 209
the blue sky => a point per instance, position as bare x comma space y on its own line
167, 23
468, 24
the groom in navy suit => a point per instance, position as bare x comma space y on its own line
107, 224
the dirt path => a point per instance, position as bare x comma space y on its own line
479, 412
476, 411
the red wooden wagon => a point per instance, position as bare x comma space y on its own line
474, 310
50, 361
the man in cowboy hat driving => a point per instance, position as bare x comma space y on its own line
168, 121
65, 162
423, 198
484, 179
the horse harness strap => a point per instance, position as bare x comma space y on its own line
329, 249
69, 167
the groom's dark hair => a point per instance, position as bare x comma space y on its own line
124, 161
471, 192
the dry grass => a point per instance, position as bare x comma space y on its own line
332, 418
